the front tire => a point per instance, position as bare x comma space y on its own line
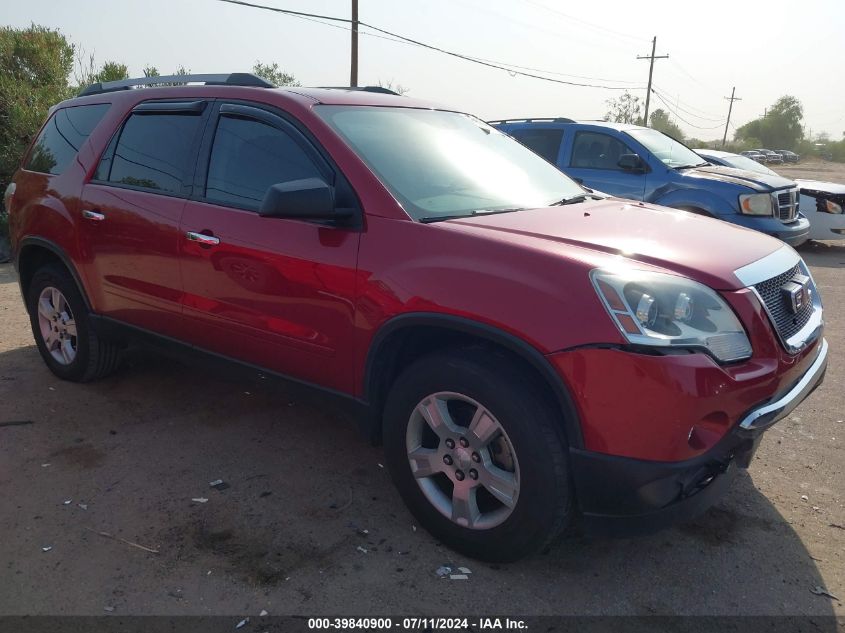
476, 451
62, 328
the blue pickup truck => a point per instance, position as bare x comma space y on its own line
629, 161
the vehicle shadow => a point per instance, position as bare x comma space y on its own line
310, 517
827, 254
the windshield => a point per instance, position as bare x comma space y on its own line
671, 152
743, 162
440, 164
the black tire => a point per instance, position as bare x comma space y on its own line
95, 357
533, 427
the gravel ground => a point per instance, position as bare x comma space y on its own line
310, 523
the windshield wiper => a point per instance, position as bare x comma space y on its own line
691, 166
576, 199
428, 219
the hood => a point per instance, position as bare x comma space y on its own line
819, 189
694, 246
752, 180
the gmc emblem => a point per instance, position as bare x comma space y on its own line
797, 292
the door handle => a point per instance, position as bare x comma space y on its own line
203, 239
93, 215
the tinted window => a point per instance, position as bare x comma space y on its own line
593, 150
248, 157
153, 151
441, 163
62, 137
546, 143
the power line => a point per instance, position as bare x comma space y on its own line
692, 111
693, 114
680, 118
422, 44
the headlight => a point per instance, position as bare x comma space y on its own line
832, 207
756, 204
662, 310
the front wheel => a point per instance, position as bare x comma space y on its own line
475, 449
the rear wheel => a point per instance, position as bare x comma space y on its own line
475, 450
62, 328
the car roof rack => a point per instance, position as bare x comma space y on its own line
228, 79
533, 119
379, 89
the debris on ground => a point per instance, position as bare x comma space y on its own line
199, 500
460, 573
242, 623
836, 525
218, 484
821, 591
805, 498
16, 423
82, 506
45, 465
463, 574
414, 528
381, 465
47, 549
67, 502
123, 540
263, 613
363, 532
108, 609
51, 388
363, 550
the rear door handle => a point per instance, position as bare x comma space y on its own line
201, 238
93, 215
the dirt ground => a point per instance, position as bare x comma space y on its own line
813, 170
311, 524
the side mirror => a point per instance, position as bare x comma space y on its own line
308, 198
632, 163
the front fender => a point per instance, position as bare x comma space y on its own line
683, 198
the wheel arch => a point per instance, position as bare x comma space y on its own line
404, 338
33, 253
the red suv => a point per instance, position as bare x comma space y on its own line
526, 349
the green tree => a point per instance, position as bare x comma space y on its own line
625, 109
659, 120
112, 71
151, 71
34, 66
780, 128
274, 74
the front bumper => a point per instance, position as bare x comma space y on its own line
794, 233
625, 495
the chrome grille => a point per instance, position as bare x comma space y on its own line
786, 205
785, 321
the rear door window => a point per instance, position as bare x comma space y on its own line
62, 136
593, 150
154, 152
546, 142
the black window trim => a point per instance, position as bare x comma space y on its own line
28, 154
597, 132
158, 107
284, 122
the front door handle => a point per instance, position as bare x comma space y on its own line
93, 215
202, 238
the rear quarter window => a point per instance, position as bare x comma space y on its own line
63, 134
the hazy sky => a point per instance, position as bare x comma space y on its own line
765, 49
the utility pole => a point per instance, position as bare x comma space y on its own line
732, 98
652, 57
353, 73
